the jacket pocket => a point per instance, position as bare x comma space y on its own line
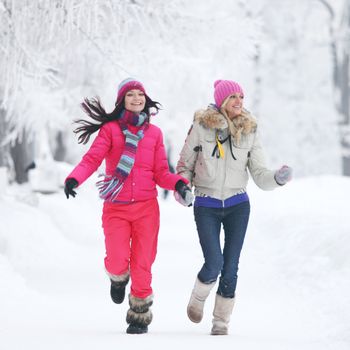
206, 164
208, 146
241, 158
241, 152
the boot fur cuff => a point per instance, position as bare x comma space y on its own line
119, 278
143, 319
140, 304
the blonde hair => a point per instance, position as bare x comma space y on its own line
244, 124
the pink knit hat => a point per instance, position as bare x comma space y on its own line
223, 89
127, 85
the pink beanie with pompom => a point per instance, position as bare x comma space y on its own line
225, 88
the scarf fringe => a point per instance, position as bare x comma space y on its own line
109, 188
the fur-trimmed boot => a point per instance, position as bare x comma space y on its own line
139, 316
199, 294
222, 313
118, 284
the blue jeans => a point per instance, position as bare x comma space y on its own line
235, 221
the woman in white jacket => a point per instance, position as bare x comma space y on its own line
221, 146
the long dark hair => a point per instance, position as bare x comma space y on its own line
94, 109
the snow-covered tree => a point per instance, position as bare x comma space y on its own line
296, 108
54, 53
339, 40
342, 84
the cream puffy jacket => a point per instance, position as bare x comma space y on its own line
222, 177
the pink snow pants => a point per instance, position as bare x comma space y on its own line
131, 237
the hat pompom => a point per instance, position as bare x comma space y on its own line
217, 82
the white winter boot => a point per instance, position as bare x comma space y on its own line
222, 313
199, 294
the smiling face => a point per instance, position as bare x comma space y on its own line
135, 101
234, 105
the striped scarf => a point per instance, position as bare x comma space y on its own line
111, 185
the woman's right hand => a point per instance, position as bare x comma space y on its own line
69, 186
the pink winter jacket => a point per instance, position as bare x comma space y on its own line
150, 167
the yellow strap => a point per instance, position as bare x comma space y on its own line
220, 148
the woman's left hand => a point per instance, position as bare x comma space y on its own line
283, 175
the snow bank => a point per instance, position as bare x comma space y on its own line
293, 289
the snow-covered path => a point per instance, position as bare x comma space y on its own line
293, 291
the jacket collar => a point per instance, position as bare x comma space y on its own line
211, 118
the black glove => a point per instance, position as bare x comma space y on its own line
69, 185
183, 194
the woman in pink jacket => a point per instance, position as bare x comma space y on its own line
136, 162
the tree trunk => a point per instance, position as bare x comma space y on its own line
345, 111
341, 64
4, 150
344, 87
23, 155
60, 148
5, 157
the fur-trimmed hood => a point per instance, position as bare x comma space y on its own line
212, 118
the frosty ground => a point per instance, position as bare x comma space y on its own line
293, 289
